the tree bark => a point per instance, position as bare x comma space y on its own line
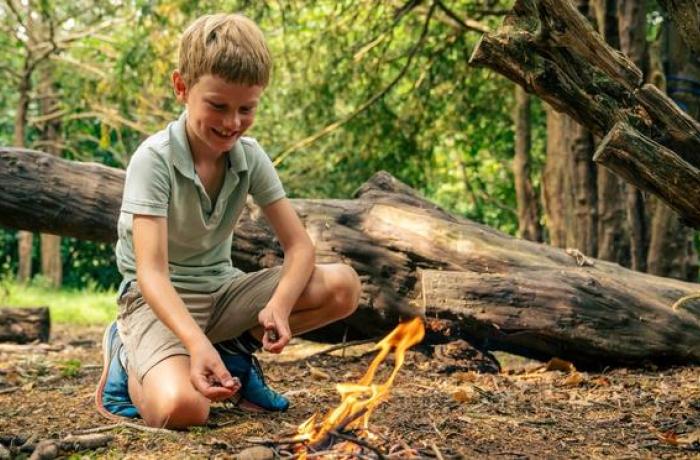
51, 267
583, 172
631, 16
685, 15
528, 215
24, 325
25, 240
556, 183
651, 166
549, 48
513, 290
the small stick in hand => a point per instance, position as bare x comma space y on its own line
272, 335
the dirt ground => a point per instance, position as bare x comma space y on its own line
528, 410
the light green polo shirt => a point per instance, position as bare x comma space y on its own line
161, 181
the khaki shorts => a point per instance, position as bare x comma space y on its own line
222, 315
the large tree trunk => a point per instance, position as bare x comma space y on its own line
512, 294
528, 216
549, 48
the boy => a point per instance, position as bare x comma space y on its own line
189, 321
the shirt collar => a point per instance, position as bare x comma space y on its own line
182, 155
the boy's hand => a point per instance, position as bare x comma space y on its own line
209, 375
276, 325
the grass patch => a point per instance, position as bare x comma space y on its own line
84, 307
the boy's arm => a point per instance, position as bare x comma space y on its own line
299, 260
150, 236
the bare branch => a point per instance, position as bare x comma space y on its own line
47, 117
337, 124
75, 63
466, 23
18, 16
8, 69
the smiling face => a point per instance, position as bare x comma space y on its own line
218, 113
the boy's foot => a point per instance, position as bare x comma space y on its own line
255, 394
112, 395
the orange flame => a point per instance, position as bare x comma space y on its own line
358, 400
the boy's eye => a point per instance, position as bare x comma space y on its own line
217, 106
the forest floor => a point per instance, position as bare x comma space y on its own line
528, 410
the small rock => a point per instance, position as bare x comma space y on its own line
255, 453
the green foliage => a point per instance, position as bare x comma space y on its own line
86, 264
383, 87
70, 368
86, 306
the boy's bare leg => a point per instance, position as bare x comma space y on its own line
332, 293
166, 398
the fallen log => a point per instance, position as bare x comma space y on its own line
469, 281
551, 50
24, 325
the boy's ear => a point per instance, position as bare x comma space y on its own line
179, 86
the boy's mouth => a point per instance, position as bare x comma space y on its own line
224, 134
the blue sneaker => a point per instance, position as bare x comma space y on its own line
255, 393
112, 395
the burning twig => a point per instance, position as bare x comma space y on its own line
358, 400
359, 442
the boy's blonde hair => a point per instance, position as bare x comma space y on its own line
230, 46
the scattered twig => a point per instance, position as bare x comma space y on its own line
8, 390
125, 424
50, 448
31, 347
45, 450
437, 430
279, 442
677, 304
438, 454
341, 346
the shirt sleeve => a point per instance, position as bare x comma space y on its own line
147, 185
265, 184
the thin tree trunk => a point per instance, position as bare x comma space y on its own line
556, 182
613, 235
25, 239
573, 193
528, 216
632, 36
51, 267
583, 172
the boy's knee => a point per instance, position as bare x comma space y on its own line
177, 409
346, 291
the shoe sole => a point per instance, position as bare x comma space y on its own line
103, 381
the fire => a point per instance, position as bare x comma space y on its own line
359, 400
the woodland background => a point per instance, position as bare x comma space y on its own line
357, 87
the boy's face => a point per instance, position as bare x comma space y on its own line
218, 112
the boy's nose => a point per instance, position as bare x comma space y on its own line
232, 122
